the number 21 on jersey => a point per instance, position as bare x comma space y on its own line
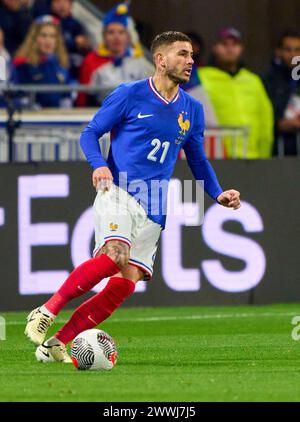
158, 145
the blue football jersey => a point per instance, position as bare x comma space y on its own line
147, 133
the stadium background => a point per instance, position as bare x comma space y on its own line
269, 186
259, 261
260, 21
273, 227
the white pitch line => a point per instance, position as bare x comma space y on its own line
184, 317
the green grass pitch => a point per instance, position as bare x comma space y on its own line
168, 354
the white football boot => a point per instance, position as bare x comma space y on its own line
52, 350
37, 326
42, 354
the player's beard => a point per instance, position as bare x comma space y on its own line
174, 76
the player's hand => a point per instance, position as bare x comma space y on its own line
102, 178
230, 199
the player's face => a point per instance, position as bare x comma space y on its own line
116, 38
177, 61
228, 51
47, 39
289, 49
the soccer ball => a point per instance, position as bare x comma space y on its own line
93, 350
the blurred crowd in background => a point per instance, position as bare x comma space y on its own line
43, 43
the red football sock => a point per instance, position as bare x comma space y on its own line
81, 280
97, 309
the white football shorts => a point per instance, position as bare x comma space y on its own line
118, 216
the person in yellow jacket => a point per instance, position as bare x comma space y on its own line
239, 98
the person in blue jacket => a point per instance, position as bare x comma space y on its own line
42, 59
75, 37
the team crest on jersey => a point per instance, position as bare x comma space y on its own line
113, 227
184, 125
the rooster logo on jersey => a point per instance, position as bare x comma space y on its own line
184, 124
184, 127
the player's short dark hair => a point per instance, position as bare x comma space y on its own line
289, 33
167, 38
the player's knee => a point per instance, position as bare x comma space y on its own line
118, 252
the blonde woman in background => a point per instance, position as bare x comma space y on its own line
43, 59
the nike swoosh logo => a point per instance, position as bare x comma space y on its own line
91, 319
47, 347
143, 116
45, 354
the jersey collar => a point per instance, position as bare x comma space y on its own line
152, 86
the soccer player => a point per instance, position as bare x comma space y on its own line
150, 121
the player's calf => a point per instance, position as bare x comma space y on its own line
83, 279
97, 308
114, 256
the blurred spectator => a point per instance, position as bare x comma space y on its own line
43, 59
115, 61
238, 97
284, 92
76, 40
39, 7
4, 54
194, 86
15, 20
198, 48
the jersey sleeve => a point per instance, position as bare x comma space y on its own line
111, 113
194, 149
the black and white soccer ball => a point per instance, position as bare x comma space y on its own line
94, 350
